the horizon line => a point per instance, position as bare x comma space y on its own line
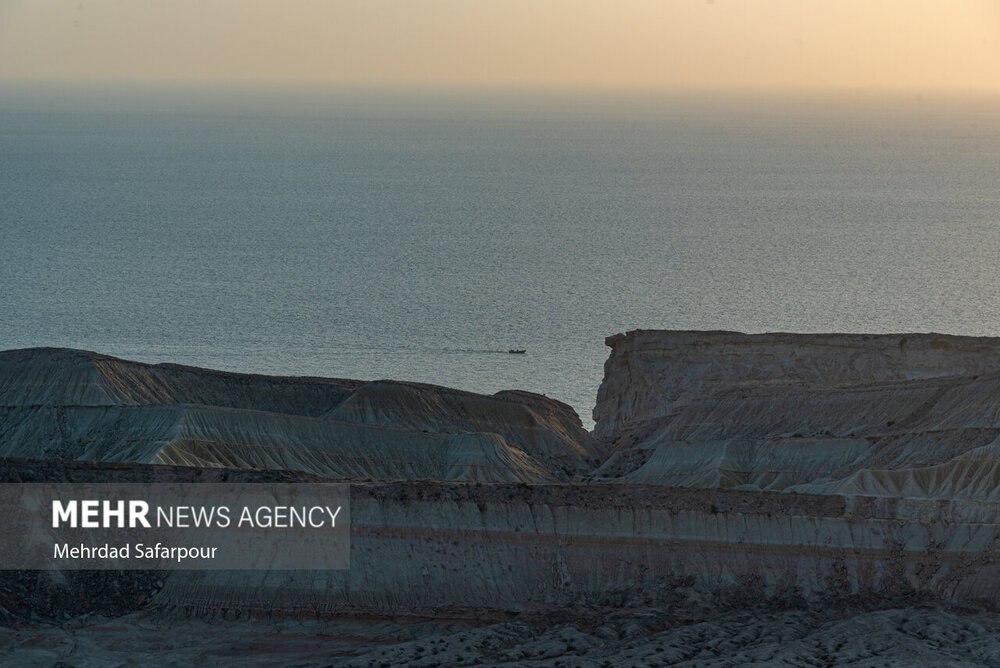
227, 85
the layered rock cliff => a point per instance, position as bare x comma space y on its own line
421, 548
885, 415
81, 405
742, 468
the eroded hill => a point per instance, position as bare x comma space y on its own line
81, 405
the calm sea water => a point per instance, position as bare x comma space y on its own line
420, 237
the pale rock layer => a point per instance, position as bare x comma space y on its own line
80, 405
743, 468
888, 415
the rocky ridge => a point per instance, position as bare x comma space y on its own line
803, 469
80, 405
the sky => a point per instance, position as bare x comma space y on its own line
918, 45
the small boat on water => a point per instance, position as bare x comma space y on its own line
516, 352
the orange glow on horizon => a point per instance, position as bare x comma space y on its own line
646, 44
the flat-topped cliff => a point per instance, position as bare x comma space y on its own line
900, 415
649, 372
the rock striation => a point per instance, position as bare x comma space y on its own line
81, 405
914, 415
459, 549
728, 469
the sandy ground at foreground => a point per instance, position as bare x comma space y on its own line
896, 637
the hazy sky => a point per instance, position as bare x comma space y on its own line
895, 44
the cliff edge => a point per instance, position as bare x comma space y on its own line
911, 415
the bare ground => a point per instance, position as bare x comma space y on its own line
895, 637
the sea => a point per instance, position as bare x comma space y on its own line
422, 234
